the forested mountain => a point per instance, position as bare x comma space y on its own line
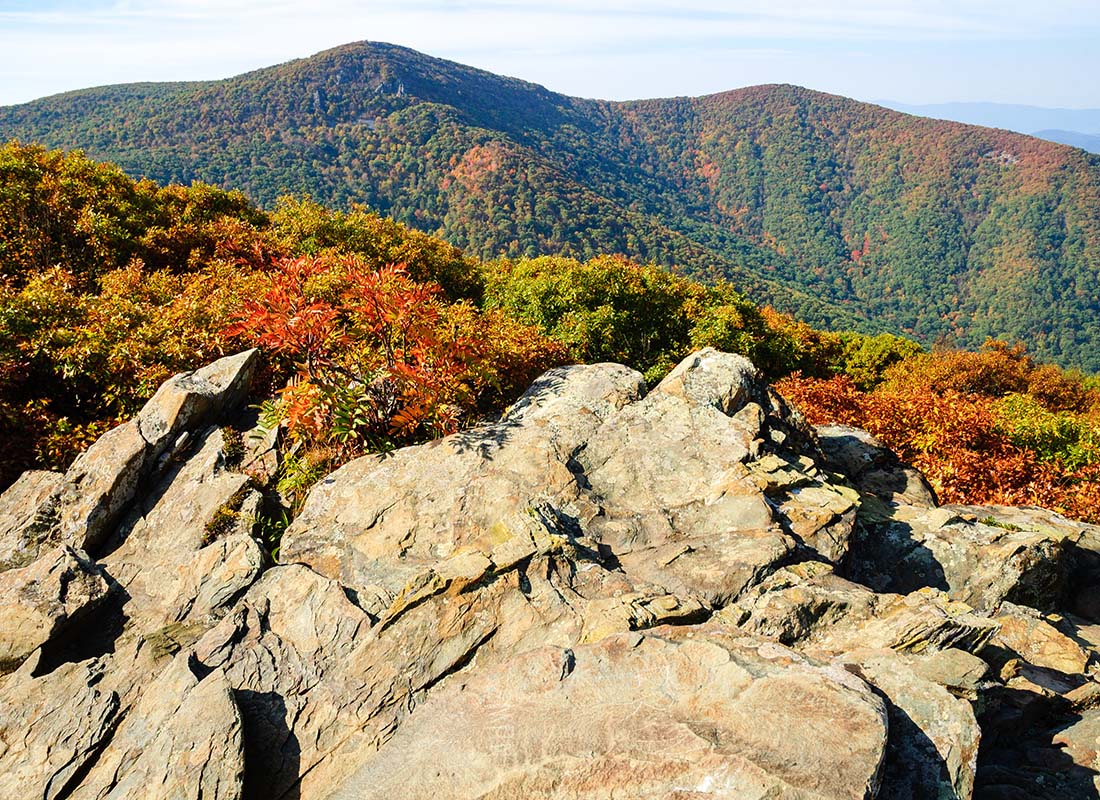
841, 212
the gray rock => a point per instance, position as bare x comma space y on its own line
661, 715
28, 512
39, 601
51, 728
180, 554
934, 737
967, 552
103, 481
182, 741
680, 508
381, 520
810, 607
872, 467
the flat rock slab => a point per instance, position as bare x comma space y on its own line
380, 520
684, 713
51, 728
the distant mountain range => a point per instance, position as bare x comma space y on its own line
844, 213
1078, 127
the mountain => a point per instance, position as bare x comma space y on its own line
1086, 141
1079, 127
842, 212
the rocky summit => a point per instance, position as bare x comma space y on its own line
607, 593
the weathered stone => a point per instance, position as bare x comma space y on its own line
596, 721
680, 508
28, 510
380, 520
51, 728
465, 618
1025, 632
100, 484
179, 553
872, 467
809, 606
193, 400
958, 671
823, 516
40, 600
1040, 752
934, 737
104, 480
182, 741
293, 656
976, 559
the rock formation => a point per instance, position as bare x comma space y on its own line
606, 593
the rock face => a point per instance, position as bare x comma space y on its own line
38, 601
606, 593
598, 722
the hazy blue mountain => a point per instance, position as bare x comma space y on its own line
1086, 141
1019, 118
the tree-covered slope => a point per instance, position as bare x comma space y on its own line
842, 212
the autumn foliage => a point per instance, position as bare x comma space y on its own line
376, 358
986, 427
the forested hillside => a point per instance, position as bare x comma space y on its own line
849, 215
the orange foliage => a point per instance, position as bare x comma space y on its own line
953, 437
380, 359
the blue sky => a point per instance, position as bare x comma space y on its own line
1045, 52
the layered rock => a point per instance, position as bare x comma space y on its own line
607, 592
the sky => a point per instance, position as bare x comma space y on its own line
1039, 52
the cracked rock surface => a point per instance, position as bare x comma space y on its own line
608, 592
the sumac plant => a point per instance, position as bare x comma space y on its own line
373, 358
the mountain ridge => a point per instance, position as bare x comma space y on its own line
844, 213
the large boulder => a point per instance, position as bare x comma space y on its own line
934, 736
179, 553
667, 714
679, 506
380, 520
810, 607
104, 480
872, 467
969, 552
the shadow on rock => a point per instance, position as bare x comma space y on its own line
91, 637
272, 753
886, 557
914, 768
486, 440
1028, 750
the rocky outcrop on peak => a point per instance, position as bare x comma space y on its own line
607, 592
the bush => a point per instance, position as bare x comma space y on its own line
378, 359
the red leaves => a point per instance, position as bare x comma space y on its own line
287, 320
379, 358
